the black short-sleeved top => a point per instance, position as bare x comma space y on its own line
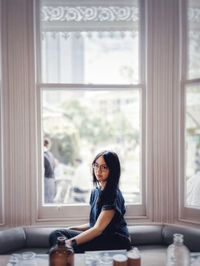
118, 223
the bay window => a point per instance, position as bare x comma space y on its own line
107, 77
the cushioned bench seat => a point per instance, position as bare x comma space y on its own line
146, 237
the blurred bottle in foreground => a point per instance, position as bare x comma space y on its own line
134, 257
196, 262
177, 253
61, 254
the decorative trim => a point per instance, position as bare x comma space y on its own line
89, 34
93, 13
66, 18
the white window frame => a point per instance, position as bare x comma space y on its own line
186, 213
77, 213
1, 152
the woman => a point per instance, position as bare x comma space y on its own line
107, 228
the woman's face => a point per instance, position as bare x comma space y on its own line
101, 170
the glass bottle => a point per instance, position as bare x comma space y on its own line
106, 260
177, 253
61, 254
196, 262
134, 257
119, 260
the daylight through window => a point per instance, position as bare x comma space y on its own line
91, 96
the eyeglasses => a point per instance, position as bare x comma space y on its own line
102, 168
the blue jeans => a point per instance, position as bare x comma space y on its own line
102, 242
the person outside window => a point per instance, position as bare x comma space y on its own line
193, 183
107, 228
49, 178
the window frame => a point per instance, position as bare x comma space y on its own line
186, 213
79, 213
1, 132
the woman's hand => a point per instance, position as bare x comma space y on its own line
68, 242
71, 242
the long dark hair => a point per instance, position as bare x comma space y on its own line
113, 163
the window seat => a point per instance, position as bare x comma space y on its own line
148, 238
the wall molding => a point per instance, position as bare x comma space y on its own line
17, 57
162, 97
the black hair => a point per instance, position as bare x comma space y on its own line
47, 142
113, 163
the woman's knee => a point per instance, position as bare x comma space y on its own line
61, 232
54, 236
123, 241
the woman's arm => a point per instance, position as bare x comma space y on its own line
82, 227
102, 222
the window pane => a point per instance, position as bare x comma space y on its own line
193, 39
82, 123
1, 129
90, 43
193, 146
